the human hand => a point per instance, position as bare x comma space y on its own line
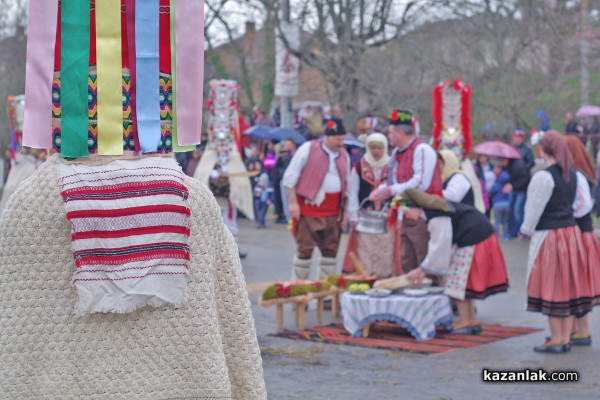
507, 188
416, 276
381, 194
294, 209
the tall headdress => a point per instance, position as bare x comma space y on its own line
94, 86
223, 119
452, 117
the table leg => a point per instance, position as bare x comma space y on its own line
335, 305
279, 317
300, 322
365, 330
320, 307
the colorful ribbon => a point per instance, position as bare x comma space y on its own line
109, 66
176, 146
74, 70
130, 17
147, 83
37, 125
189, 33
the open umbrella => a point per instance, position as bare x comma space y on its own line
261, 132
351, 141
496, 149
285, 133
588, 111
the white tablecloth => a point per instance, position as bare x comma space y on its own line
420, 315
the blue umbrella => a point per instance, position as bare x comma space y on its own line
285, 133
353, 142
261, 132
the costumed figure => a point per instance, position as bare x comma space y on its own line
457, 187
121, 262
452, 129
375, 251
583, 162
558, 274
24, 160
221, 166
316, 183
413, 165
464, 248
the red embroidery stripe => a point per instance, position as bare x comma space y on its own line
128, 211
147, 230
125, 187
137, 257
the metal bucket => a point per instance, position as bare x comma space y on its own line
372, 222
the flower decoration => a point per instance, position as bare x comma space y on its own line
394, 115
331, 125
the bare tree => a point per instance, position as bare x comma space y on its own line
340, 34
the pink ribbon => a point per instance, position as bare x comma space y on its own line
189, 42
41, 39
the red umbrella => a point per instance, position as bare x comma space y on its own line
496, 149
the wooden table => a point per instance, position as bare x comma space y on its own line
299, 303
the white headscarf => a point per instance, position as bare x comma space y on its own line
377, 137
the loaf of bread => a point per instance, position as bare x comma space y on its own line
397, 282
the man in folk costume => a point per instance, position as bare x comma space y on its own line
316, 182
413, 165
374, 251
120, 261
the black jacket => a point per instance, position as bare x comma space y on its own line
519, 175
526, 155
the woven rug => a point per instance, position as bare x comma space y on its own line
388, 336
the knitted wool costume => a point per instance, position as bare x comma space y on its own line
205, 350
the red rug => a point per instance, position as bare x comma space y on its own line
388, 336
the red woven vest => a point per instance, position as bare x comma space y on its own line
313, 173
404, 169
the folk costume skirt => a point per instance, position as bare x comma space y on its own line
592, 273
559, 283
488, 270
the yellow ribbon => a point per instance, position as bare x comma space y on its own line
109, 66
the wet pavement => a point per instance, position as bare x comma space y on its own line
305, 370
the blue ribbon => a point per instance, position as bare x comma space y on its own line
147, 70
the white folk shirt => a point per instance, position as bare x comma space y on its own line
332, 182
457, 188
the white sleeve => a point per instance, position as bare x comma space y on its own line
424, 163
457, 188
292, 172
539, 193
353, 187
583, 203
439, 250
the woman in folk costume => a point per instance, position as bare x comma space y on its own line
583, 162
558, 284
120, 261
474, 268
457, 186
375, 252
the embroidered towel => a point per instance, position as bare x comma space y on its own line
130, 233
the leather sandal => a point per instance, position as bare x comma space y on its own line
581, 341
554, 349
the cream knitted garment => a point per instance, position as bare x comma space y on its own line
205, 350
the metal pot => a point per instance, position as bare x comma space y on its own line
372, 222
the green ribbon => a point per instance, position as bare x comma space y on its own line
74, 61
176, 147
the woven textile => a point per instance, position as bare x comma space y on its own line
205, 350
130, 234
419, 315
164, 85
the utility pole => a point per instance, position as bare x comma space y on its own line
285, 107
585, 53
